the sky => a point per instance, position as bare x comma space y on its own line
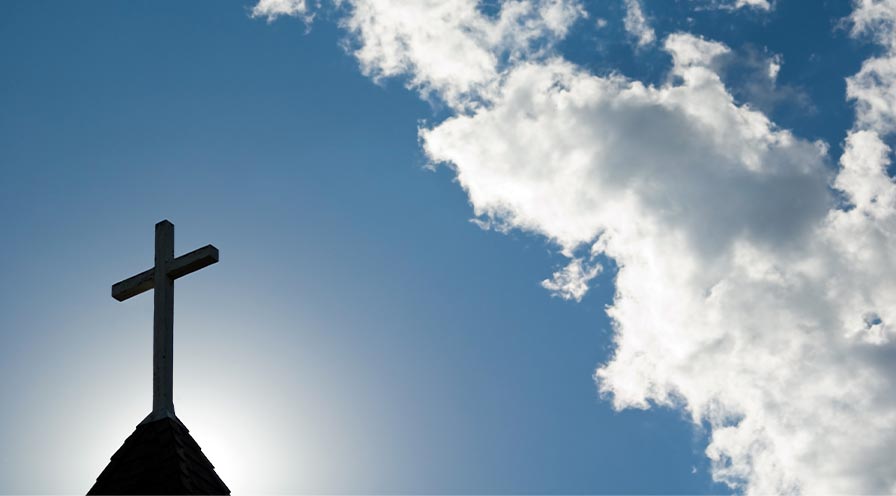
522, 246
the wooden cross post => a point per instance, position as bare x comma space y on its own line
161, 278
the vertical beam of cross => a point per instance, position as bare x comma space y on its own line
163, 321
161, 278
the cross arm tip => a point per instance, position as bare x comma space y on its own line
133, 286
193, 261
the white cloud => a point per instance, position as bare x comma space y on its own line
774, 67
271, 9
706, 207
758, 4
449, 47
636, 24
874, 87
746, 295
571, 282
875, 17
765, 5
743, 295
688, 51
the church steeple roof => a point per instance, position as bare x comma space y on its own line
160, 457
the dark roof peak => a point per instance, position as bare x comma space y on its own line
160, 457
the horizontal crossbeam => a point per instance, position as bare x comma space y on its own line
180, 266
193, 261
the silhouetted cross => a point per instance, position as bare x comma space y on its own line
161, 279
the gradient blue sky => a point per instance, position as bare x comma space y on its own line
359, 335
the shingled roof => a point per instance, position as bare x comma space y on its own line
160, 457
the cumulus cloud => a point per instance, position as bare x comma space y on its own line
636, 24
450, 47
875, 84
731, 300
271, 9
758, 4
755, 289
702, 204
571, 282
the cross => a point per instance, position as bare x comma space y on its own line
161, 278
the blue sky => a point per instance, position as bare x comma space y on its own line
361, 334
